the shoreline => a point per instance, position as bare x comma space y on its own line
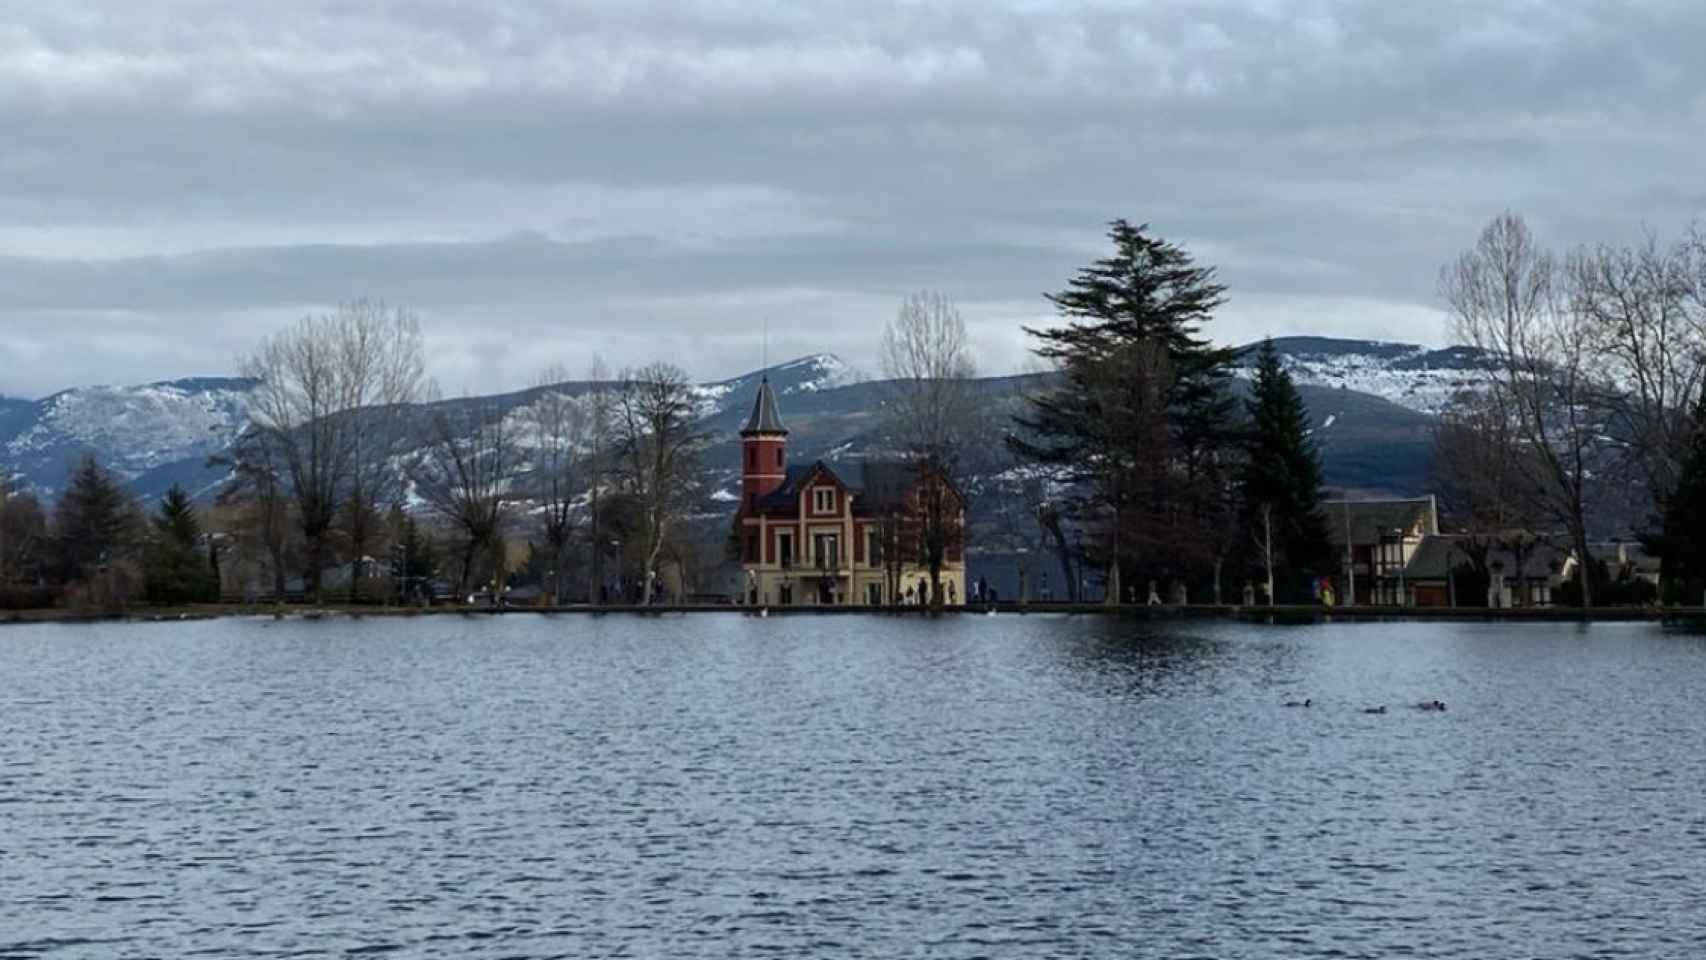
1279, 615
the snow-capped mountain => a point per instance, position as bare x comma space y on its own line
813, 374
136, 431
1372, 405
156, 434
1412, 376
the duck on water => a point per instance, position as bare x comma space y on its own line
1435, 706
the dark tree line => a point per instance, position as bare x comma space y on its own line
98, 548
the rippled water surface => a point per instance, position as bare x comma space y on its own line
722, 786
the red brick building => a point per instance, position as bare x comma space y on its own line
822, 534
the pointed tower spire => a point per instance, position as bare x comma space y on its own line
764, 418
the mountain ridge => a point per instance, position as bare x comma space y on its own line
1371, 402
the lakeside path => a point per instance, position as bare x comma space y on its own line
1254, 614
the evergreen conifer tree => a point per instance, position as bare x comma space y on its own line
1148, 295
94, 522
177, 521
1282, 471
176, 571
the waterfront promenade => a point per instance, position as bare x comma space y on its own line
1283, 613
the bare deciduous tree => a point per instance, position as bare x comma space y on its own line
927, 360
315, 378
1649, 326
258, 488
1034, 512
1509, 298
384, 371
658, 449
1486, 487
466, 472
600, 415
557, 426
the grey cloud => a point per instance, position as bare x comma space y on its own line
688, 164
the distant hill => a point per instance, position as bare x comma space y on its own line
1371, 405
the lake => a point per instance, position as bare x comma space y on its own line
802, 786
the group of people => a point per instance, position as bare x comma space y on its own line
981, 592
920, 596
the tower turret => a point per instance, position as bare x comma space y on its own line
764, 444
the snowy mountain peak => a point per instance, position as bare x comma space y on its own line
1410, 375
820, 371
134, 430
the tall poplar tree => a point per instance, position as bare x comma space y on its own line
1281, 479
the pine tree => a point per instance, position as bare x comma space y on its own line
177, 521
94, 522
1148, 297
1282, 472
176, 572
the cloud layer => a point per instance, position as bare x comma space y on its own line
541, 181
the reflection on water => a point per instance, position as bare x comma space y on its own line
835, 786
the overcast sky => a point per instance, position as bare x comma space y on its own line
540, 181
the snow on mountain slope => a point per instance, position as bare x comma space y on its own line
823, 371
133, 430
813, 374
1412, 376
157, 434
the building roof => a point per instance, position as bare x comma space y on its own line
1617, 553
882, 484
876, 485
787, 494
1434, 557
764, 418
1369, 520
